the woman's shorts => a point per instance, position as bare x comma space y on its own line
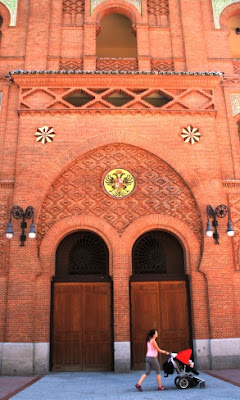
152, 363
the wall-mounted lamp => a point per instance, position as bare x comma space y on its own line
18, 213
238, 31
220, 212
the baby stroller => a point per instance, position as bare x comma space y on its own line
185, 369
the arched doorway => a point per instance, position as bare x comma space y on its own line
159, 294
116, 38
81, 334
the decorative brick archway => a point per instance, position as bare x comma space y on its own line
79, 190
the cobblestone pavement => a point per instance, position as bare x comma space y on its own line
120, 386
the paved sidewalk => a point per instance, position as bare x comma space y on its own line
10, 385
227, 375
114, 386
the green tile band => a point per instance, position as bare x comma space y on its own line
218, 7
12, 7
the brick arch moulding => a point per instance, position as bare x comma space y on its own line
159, 189
136, 3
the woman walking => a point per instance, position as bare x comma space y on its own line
152, 360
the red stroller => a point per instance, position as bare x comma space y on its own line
184, 366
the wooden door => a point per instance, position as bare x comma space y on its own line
162, 306
82, 327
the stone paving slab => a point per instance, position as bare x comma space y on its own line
228, 375
10, 385
114, 386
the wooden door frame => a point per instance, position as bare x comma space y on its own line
79, 279
168, 278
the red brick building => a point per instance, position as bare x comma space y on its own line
117, 134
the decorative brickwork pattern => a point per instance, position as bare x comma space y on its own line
234, 200
3, 222
158, 7
218, 7
73, 11
49, 98
162, 65
79, 190
12, 7
236, 67
73, 6
71, 64
117, 64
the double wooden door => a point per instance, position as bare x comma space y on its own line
162, 306
82, 327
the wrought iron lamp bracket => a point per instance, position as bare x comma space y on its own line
220, 211
18, 213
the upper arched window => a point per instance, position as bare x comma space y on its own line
158, 252
116, 38
233, 25
82, 253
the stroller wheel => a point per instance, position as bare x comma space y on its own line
183, 383
176, 381
202, 385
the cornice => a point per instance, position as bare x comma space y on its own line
211, 113
231, 183
6, 184
136, 78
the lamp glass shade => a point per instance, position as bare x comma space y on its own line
230, 230
209, 231
9, 231
9, 235
32, 233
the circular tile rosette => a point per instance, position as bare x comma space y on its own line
119, 183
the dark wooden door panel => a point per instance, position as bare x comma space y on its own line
82, 328
145, 316
160, 305
67, 331
97, 330
174, 316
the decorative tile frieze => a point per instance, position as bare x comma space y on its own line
218, 7
136, 3
12, 8
235, 101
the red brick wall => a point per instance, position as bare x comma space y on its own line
208, 169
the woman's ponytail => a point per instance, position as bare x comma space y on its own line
150, 334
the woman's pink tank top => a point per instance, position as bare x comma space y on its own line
151, 351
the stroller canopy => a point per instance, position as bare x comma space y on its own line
184, 356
